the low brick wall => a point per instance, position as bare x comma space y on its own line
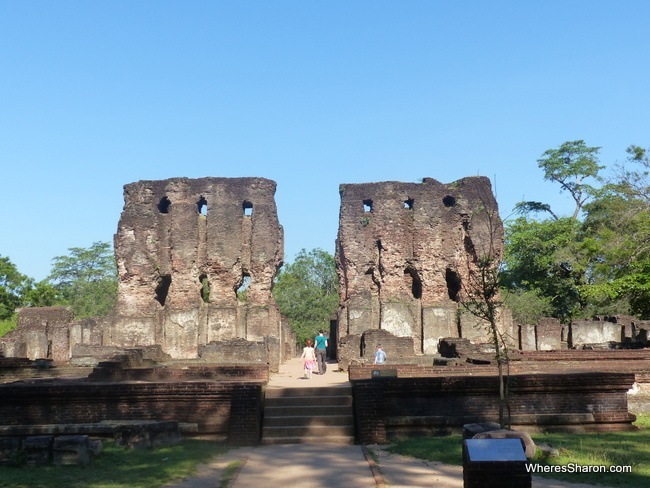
232, 410
386, 407
175, 374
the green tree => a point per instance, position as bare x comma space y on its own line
617, 236
86, 279
306, 292
573, 165
42, 294
549, 259
13, 285
527, 306
545, 257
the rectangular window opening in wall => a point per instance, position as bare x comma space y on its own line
242, 288
205, 288
163, 205
248, 208
164, 282
202, 206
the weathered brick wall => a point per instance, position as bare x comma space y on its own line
406, 253
183, 248
395, 347
230, 409
594, 401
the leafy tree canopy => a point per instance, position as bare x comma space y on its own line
86, 279
545, 257
573, 165
306, 292
13, 285
599, 265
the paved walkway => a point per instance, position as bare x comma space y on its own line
328, 465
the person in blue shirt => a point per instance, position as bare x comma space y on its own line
380, 355
320, 344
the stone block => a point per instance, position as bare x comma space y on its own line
95, 447
470, 430
235, 351
145, 435
549, 335
395, 347
71, 450
437, 322
593, 332
400, 318
527, 340
37, 343
349, 349
38, 450
10, 451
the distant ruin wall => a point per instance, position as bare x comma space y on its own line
406, 253
183, 248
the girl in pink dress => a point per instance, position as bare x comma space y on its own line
308, 359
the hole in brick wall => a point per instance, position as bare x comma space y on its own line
163, 205
205, 288
243, 286
248, 208
367, 205
449, 201
202, 206
453, 284
162, 289
416, 282
408, 203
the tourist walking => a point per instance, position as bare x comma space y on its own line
380, 355
320, 343
308, 359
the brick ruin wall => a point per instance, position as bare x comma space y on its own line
406, 257
184, 247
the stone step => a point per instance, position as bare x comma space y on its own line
310, 414
308, 430
308, 421
313, 410
309, 391
308, 400
327, 439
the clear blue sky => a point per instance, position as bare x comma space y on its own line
97, 94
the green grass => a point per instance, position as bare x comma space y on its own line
228, 473
117, 467
603, 449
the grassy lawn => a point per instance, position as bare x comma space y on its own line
603, 449
117, 467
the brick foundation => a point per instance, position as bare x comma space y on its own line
388, 407
230, 410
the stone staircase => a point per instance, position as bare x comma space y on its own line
308, 415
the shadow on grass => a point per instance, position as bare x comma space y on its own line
117, 467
